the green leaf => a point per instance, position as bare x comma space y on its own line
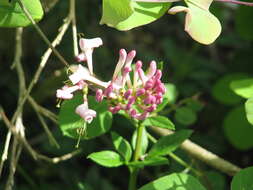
11, 14
154, 161
115, 11
143, 13
122, 146
243, 87
70, 122
175, 181
144, 143
195, 105
237, 129
243, 180
107, 158
185, 116
249, 110
243, 22
159, 121
222, 92
201, 25
169, 143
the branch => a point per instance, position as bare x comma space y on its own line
43, 62
43, 36
72, 13
35, 155
202, 154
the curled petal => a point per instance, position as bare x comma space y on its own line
86, 113
90, 43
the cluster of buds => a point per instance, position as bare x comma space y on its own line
131, 89
137, 97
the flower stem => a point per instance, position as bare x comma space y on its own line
137, 154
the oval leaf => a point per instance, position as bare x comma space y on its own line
185, 116
122, 146
169, 143
249, 110
11, 14
143, 13
174, 181
243, 180
243, 87
159, 121
106, 158
70, 122
237, 129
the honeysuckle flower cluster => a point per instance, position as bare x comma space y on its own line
131, 89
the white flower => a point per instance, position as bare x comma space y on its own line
86, 113
87, 46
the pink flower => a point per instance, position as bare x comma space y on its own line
139, 97
86, 113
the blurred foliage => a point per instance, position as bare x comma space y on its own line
196, 71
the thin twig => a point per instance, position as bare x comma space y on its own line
28, 147
50, 136
202, 154
5, 152
72, 12
43, 36
47, 113
43, 62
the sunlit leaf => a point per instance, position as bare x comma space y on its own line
106, 158
201, 25
159, 121
249, 110
11, 14
143, 13
243, 87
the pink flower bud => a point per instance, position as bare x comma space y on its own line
143, 116
138, 65
150, 99
140, 92
152, 69
151, 108
99, 95
158, 75
149, 84
128, 93
115, 109
133, 113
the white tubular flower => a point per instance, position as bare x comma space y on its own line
66, 92
87, 46
86, 113
83, 74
